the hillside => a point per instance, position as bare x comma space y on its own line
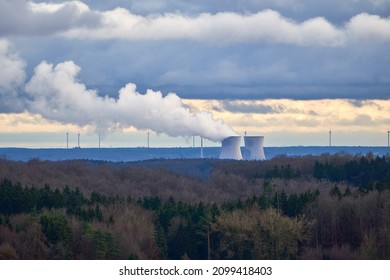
311, 207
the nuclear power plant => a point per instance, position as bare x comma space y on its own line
254, 150
231, 148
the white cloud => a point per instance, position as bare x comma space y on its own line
20, 17
76, 20
268, 26
365, 26
37, 8
12, 77
230, 28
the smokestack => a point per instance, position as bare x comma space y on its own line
254, 149
231, 148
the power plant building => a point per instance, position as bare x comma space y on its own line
231, 148
254, 150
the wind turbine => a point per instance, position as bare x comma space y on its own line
201, 147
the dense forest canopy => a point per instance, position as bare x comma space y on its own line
312, 207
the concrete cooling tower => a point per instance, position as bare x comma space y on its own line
231, 148
254, 148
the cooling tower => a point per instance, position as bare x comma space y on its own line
231, 148
254, 148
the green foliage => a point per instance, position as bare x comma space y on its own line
335, 192
133, 256
12, 198
57, 231
282, 172
361, 172
4, 220
105, 246
55, 227
183, 228
159, 237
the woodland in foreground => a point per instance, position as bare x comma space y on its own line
312, 207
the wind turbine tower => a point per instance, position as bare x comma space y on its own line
201, 147
330, 138
388, 138
67, 140
78, 140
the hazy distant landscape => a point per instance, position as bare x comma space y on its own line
290, 74
136, 154
302, 207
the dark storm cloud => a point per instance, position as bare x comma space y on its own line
360, 120
195, 70
362, 103
357, 103
251, 108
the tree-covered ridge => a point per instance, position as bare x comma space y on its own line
177, 224
365, 172
281, 211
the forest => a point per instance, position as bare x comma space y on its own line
309, 207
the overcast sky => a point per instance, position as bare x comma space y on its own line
296, 67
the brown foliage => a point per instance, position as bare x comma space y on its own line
25, 237
255, 234
134, 229
7, 252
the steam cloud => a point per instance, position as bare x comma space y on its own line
55, 93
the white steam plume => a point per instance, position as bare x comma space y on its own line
55, 93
